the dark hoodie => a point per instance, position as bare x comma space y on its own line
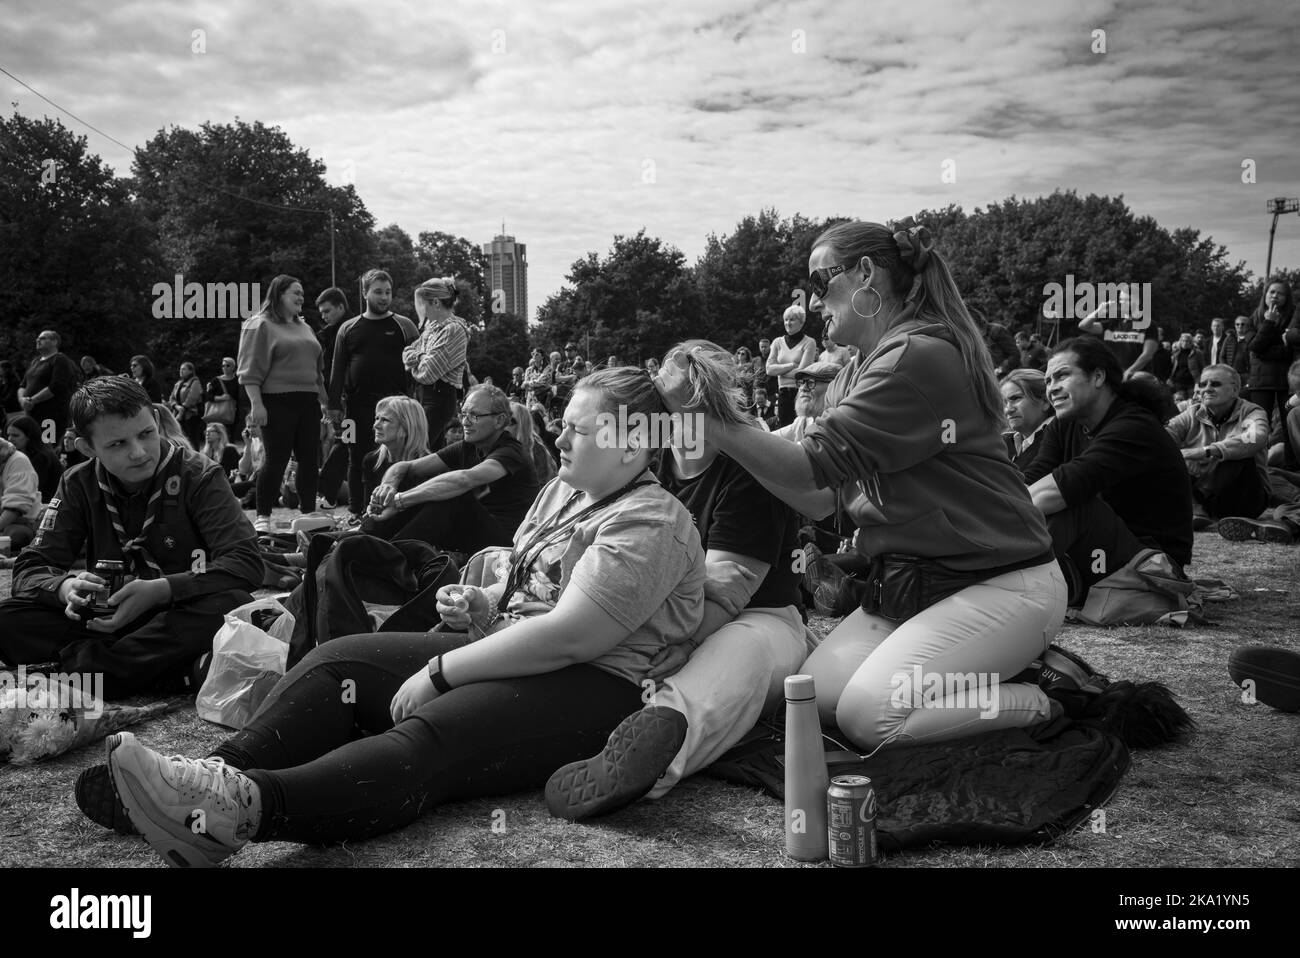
921, 471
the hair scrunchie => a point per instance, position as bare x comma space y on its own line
915, 242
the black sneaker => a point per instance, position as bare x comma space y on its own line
98, 801
1275, 673
638, 752
1241, 529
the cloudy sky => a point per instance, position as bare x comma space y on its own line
575, 120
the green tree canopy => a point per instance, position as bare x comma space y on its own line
75, 253
239, 203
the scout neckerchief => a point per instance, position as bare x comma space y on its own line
134, 550
550, 532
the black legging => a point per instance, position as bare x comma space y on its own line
1268, 400
332, 767
361, 410
292, 426
785, 405
453, 525
440, 408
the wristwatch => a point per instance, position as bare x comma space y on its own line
436, 677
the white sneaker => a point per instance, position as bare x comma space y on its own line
194, 813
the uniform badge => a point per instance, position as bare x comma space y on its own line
169, 542
174, 486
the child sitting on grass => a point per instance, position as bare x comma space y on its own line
164, 511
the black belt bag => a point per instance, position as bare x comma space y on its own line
897, 587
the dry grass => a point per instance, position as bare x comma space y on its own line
1229, 797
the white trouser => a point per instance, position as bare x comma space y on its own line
734, 677
941, 674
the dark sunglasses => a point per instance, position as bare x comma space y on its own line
819, 280
1212, 383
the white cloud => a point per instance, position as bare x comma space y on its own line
552, 133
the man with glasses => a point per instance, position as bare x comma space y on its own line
810, 401
1224, 441
466, 496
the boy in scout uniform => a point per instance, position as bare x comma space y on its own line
165, 512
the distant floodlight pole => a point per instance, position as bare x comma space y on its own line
1277, 207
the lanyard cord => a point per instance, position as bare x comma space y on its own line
550, 532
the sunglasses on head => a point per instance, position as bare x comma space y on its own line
819, 280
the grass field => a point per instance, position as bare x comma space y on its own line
1228, 797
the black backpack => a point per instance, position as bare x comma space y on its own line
345, 572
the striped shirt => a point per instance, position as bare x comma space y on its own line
438, 353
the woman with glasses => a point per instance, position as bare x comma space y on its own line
218, 447
466, 496
911, 444
224, 389
367, 733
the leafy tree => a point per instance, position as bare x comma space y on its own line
395, 254
442, 254
1003, 256
75, 254
238, 203
749, 277
633, 303
498, 346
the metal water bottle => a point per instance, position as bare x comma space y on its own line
806, 778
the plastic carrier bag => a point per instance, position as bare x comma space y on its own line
247, 661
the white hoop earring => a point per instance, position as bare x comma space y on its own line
880, 302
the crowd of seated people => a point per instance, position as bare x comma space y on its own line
920, 435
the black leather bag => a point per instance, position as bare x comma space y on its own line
897, 587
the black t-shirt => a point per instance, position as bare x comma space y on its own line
61, 376
1125, 342
326, 338
375, 358
509, 498
1133, 464
733, 513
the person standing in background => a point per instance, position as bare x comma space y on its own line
333, 307
142, 372
10, 381
789, 354
1274, 320
1242, 336
186, 404
436, 360
50, 381
280, 366
1221, 343
367, 367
